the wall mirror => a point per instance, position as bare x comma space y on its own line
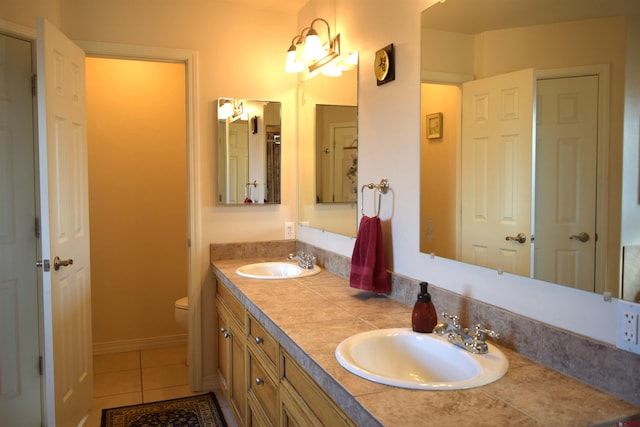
328, 150
539, 196
249, 148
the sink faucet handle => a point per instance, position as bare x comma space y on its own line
453, 318
482, 331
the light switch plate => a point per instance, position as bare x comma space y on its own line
627, 329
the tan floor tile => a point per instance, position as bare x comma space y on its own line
164, 356
100, 403
111, 383
116, 362
165, 376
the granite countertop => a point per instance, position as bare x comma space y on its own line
310, 316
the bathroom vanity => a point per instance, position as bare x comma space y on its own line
276, 364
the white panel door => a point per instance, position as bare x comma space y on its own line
239, 163
19, 331
65, 222
566, 159
497, 135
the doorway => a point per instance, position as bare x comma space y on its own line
136, 113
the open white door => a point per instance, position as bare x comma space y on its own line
497, 138
20, 386
65, 226
567, 161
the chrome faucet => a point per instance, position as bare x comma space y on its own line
306, 261
475, 343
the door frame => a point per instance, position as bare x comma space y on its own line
602, 169
190, 59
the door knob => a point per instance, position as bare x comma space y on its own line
583, 237
57, 263
520, 238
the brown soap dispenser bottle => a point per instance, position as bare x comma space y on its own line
424, 317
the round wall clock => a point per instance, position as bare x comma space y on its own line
384, 66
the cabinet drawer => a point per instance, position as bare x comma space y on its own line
314, 398
263, 387
235, 307
264, 342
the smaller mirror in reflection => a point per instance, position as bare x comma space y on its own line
337, 153
249, 151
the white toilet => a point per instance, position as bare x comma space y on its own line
181, 312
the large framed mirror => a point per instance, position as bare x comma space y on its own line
249, 151
537, 191
328, 144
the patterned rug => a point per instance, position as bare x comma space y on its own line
192, 411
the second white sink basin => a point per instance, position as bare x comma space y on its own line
403, 358
275, 270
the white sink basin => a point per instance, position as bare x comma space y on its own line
275, 270
403, 358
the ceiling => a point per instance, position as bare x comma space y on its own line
477, 16
288, 6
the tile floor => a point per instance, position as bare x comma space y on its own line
134, 377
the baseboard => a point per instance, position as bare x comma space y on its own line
139, 344
209, 382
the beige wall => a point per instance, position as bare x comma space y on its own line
438, 177
136, 136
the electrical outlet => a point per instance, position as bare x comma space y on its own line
630, 328
627, 336
289, 230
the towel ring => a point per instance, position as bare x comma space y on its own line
380, 188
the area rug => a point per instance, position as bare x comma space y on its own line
193, 411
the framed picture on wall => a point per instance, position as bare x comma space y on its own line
434, 126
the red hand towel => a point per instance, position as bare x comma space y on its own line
368, 265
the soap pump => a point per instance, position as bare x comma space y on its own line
424, 317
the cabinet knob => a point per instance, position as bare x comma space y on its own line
259, 340
259, 381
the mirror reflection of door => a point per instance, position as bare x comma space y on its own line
497, 134
336, 154
566, 165
238, 162
345, 161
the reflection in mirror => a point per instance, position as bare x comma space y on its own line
327, 114
336, 153
540, 199
248, 151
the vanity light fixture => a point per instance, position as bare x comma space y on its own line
294, 56
308, 52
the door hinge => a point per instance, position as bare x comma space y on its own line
34, 84
37, 230
41, 365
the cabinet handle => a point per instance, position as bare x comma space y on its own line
259, 340
223, 330
259, 381
225, 334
